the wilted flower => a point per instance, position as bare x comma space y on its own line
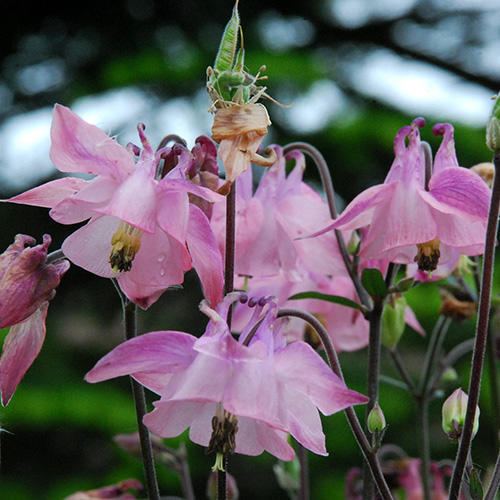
420, 223
454, 411
27, 284
256, 384
142, 230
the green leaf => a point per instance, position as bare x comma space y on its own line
336, 299
374, 283
227, 49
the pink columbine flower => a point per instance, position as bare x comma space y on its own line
271, 221
27, 284
142, 229
409, 221
264, 389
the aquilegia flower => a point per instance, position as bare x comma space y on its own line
142, 229
409, 221
257, 387
27, 284
271, 221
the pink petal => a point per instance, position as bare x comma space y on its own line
160, 263
274, 441
301, 215
189, 187
446, 156
405, 220
78, 146
84, 204
304, 423
321, 386
135, 201
201, 426
206, 380
171, 418
51, 193
253, 392
20, 349
207, 259
359, 212
173, 213
460, 191
166, 351
459, 231
90, 246
412, 321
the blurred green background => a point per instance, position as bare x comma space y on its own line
354, 71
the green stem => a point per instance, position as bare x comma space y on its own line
304, 473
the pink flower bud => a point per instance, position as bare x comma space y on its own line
26, 280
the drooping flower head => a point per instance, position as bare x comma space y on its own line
257, 383
143, 230
421, 220
27, 284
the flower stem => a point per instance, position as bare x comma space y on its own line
304, 493
481, 335
361, 439
401, 368
495, 482
130, 321
327, 183
373, 379
185, 475
424, 444
228, 287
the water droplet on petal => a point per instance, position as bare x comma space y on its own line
161, 257
162, 272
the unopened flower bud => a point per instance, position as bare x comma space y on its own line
393, 322
493, 128
232, 492
26, 280
376, 419
454, 410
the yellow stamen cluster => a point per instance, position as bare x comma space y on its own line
125, 244
428, 255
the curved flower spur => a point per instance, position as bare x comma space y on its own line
258, 384
423, 220
142, 229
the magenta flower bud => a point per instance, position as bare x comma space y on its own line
26, 280
27, 283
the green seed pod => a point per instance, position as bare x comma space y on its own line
493, 128
393, 322
227, 48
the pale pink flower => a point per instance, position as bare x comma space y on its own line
271, 222
27, 284
142, 229
411, 222
262, 384
120, 491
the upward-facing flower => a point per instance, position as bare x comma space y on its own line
411, 221
27, 284
256, 385
142, 230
